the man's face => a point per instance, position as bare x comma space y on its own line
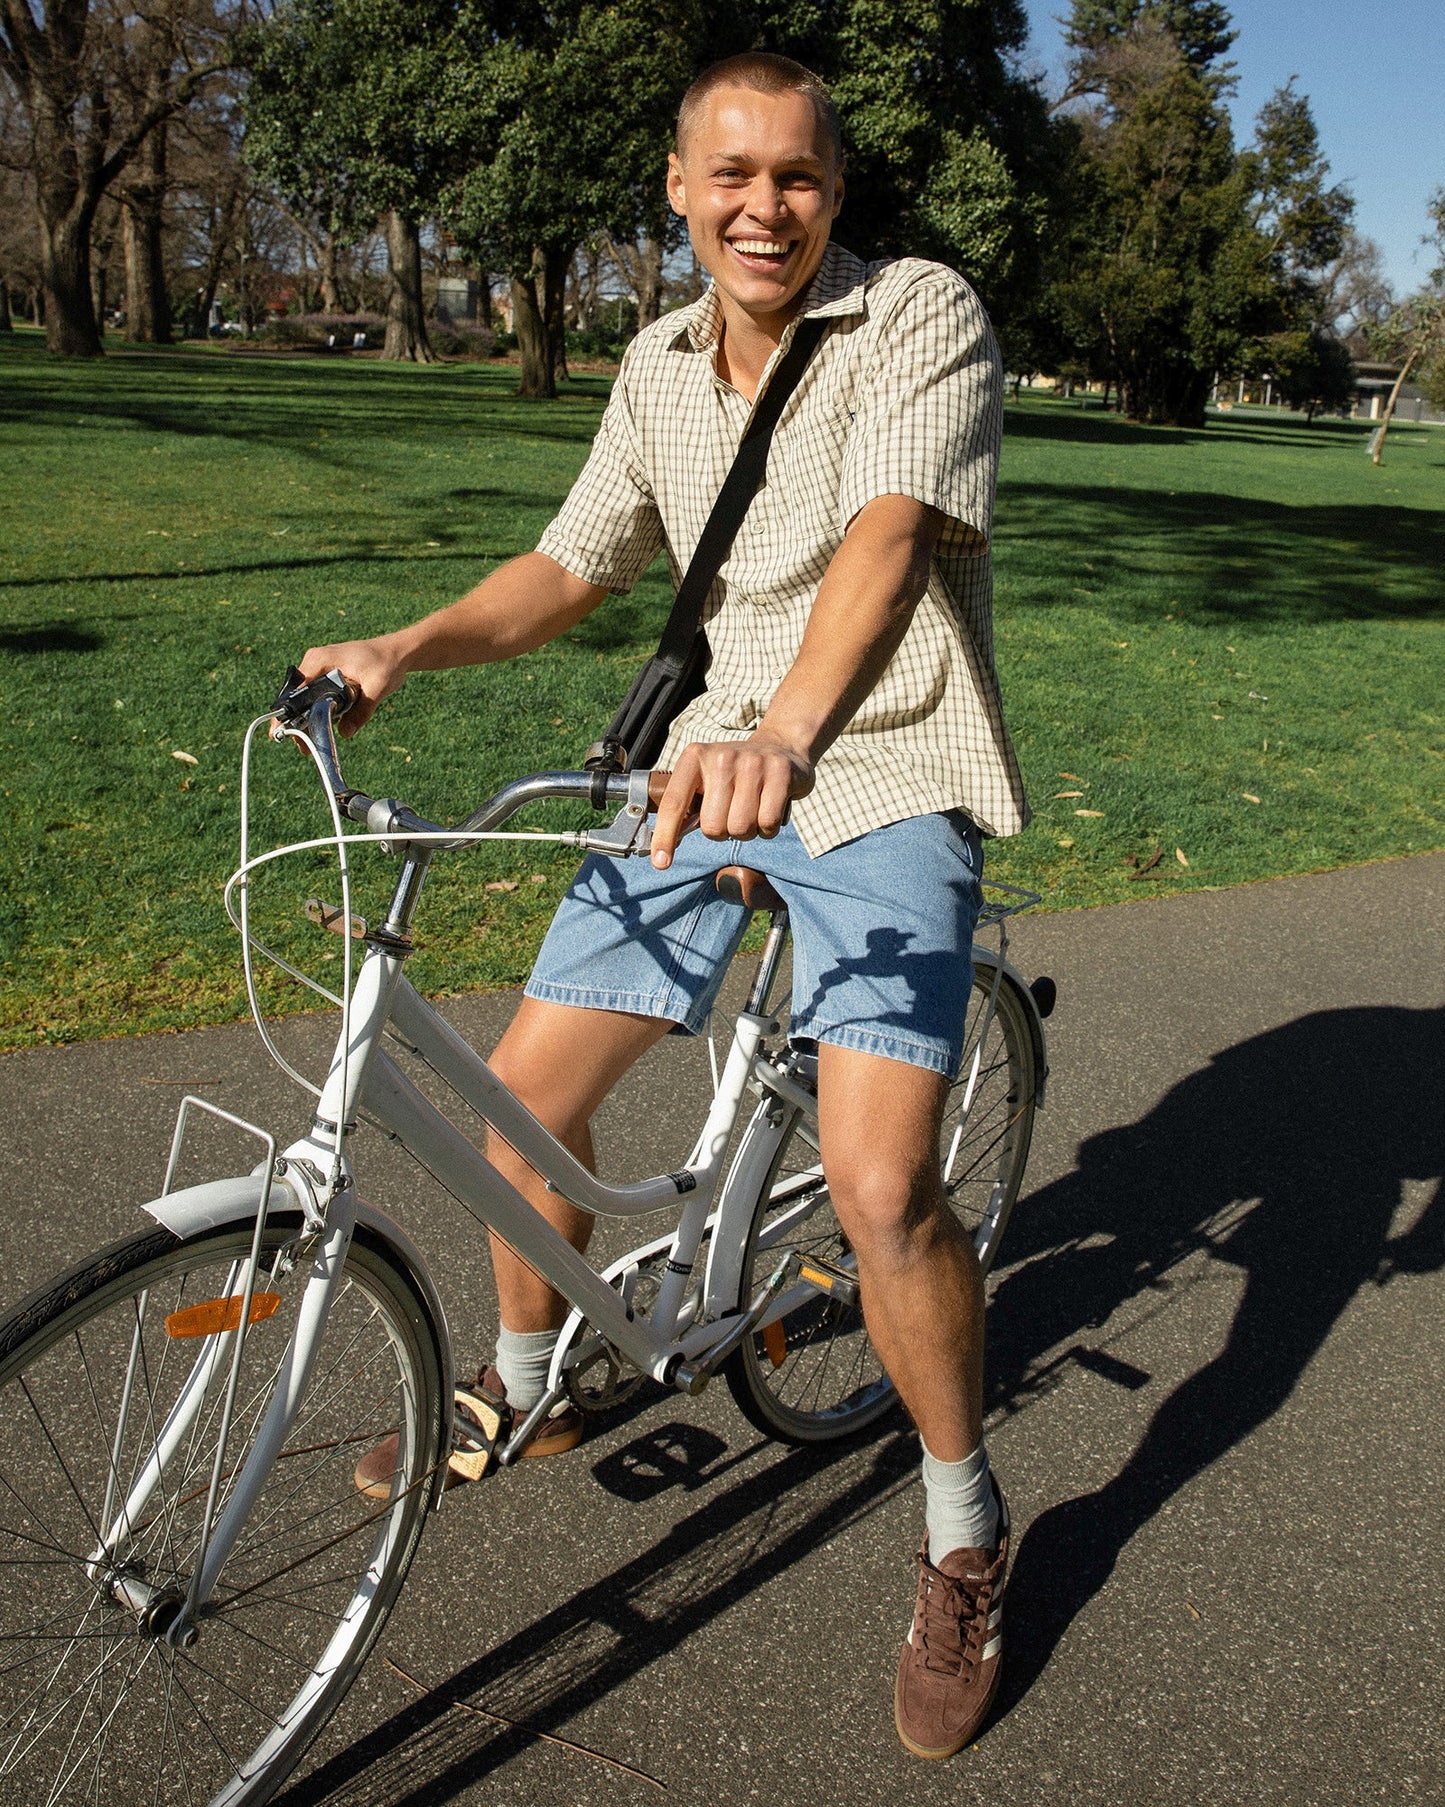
760, 187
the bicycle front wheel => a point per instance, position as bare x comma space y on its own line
97, 1703
812, 1375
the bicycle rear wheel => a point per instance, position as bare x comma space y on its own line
96, 1704
813, 1375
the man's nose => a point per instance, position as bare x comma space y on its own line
767, 202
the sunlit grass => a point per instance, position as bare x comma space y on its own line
174, 529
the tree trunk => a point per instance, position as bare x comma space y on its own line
70, 326
1377, 444
406, 340
223, 227
554, 306
147, 305
330, 292
649, 288
538, 380
7, 325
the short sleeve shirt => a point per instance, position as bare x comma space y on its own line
903, 396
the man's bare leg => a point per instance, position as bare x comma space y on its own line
919, 1278
561, 1062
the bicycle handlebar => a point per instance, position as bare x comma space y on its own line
311, 707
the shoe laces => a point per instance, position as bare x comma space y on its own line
952, 1614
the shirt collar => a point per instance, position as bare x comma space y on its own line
836, 291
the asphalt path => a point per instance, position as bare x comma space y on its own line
1217, 1347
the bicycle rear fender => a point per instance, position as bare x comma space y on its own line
221, 1202
986, 956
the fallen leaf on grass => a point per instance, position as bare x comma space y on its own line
1058, 794
539, 878
1074, 775
1258, 698
1067, 841
1149, 864
1088, 812
185, 758
1179, 855
502, 884
1249, 796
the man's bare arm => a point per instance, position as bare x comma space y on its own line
521, 606
864, 604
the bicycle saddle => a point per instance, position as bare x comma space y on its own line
746, 885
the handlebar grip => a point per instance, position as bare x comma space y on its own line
298, 695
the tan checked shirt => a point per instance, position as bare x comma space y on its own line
903, 396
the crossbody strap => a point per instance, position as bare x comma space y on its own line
735, 497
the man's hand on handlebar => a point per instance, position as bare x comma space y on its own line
731, 791
373, 668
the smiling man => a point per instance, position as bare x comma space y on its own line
852, 684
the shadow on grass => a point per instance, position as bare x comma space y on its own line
50, 637
278, 402
1068, 422
1251, 559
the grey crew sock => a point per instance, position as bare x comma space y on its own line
960, 1507
523, 1358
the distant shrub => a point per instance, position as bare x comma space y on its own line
459, 339
324, 329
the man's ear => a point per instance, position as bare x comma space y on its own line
838, 192
676, 184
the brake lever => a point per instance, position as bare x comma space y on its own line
311, 707
630, 830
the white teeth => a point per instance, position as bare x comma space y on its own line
760, 247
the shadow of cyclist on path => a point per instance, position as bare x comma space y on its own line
1284, 1157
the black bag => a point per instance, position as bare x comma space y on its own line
677, 671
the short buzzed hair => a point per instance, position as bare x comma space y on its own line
765, 72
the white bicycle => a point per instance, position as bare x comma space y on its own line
191, 1579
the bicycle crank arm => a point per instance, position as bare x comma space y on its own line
692, 1376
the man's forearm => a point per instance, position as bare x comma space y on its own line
519, 607
863, 608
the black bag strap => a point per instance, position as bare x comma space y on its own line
734, 498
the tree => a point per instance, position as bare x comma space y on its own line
71, 70
1414, 333
1184, 257
575, 109
1167, 283
363, 108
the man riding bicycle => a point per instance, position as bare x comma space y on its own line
850, 731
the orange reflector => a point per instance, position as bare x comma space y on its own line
775, 1341
213, 1316
814, 1278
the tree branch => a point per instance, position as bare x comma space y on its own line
154, 115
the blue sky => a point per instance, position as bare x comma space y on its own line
1375, 76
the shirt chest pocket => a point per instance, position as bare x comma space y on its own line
805, 470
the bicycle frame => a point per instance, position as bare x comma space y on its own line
691, 1328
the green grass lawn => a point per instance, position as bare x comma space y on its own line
1187, 622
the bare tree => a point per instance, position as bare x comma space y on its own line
71, 69
641, 265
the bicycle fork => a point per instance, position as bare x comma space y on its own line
163, 1611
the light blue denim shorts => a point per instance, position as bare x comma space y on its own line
882, 936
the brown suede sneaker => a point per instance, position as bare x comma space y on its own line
482, 1421
949, 1667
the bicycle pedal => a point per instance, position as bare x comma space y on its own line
478, 1433
840, 1284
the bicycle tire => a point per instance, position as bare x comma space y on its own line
95, 1705
814, 1376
